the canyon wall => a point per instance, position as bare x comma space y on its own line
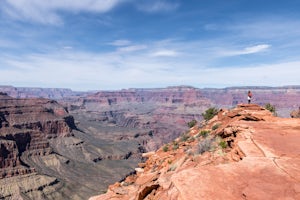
43, 153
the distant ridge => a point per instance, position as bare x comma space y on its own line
284, 98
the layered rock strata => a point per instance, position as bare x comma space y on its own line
26, 126
43, 154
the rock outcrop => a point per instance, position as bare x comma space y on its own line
295, 113
243, 153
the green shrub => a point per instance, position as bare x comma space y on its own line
271, 108
216, 126
223, 144
192, 123
210, 113
175, 145
184, 138
204, 133
166, 148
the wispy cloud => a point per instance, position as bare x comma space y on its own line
144, 62
113, 71
153, 6
47, 12
132, 48
120, 43
248, 50
164, 53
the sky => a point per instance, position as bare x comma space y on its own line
120, 44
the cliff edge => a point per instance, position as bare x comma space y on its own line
243, 153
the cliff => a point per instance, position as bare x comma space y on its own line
26, 127
243, 153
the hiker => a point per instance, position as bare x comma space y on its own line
249, 96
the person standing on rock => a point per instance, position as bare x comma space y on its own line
249, 96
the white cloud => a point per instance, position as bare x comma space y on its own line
120, 43
132, 48
164, 53
256, 49
157, 6
91, 71
47, 11
248, 50
151, 64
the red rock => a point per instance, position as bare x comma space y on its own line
295, 113
267, 164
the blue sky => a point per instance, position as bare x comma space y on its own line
115, 44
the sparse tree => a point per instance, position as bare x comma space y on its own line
210, 113
271, 108
192, 123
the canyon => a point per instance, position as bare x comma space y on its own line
51, 138
43, 153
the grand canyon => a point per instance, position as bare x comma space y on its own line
63, 144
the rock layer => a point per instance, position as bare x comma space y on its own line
25, 126
248, 154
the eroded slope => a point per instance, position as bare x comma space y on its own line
244, 153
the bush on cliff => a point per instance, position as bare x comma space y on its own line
166, 148
192, 123
204, 133
271, 108
210, 113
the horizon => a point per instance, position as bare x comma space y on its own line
167, 87
117, 44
